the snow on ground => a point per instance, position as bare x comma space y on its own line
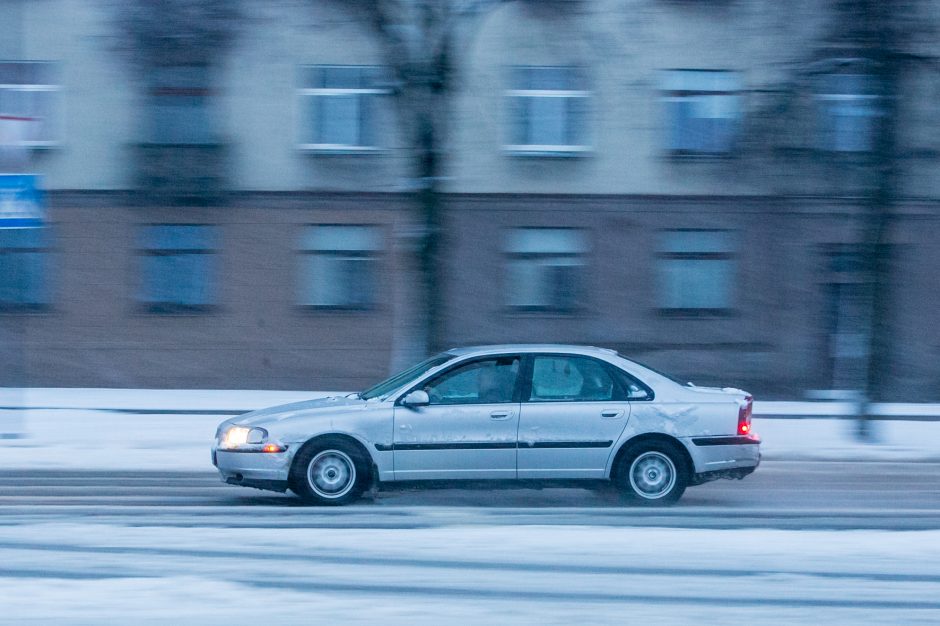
95, 573
125, 429
98, 572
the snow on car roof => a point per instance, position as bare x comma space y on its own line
529, 347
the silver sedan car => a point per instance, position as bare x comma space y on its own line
552, 414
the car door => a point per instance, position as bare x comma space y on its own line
573, 410
468, 431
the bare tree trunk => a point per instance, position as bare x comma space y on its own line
876, 234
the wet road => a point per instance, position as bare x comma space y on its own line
785, 495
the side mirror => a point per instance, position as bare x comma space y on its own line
418, 397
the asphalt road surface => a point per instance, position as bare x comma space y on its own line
786, 495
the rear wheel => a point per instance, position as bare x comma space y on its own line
652, 474
329, 472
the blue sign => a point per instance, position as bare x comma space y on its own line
21, 201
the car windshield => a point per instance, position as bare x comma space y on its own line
678, 381
391, 384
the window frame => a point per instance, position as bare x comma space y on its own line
306, 93
46, 250
511, 256
512, 97
374, 256
617, 375
57, 113
161, 95
177, 308
678, 95
697, 312
826, 99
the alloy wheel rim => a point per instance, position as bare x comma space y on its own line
331, 474
652, 475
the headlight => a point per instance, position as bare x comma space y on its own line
235, 436
257, 435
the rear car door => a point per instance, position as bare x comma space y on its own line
573, 410
468, 431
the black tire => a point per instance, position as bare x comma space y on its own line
329, 472
652, 473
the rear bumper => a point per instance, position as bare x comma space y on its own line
718, 454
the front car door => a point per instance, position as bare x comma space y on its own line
468, 431
575, 408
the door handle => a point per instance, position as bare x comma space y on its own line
500, 415
611, 413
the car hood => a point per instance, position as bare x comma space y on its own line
330, 405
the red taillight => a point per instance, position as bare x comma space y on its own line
744, 416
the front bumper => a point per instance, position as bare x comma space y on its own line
262, 470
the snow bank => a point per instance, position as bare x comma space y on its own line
148, 429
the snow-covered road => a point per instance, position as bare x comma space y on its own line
94, 573
796, 542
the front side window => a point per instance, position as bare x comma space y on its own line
548, 110
847, 106
178, 267
339, 266
29, 97
703, 111
546, 269
23, 266
339, 104
696, 271
180, 105
571, 379
488, 381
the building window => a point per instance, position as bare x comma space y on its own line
696, 272
338, 266
181, 100
28, 92
339, 104
178, 267
703, 111
548, 111
23, 264
847, 108
546, 269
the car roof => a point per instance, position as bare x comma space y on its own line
528, 348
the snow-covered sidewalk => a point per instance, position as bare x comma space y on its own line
172, 430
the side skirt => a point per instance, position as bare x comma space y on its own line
403, 485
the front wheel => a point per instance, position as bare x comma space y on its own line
652, 474
330, 472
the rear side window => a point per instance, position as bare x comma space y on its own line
633, 388
571, 379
